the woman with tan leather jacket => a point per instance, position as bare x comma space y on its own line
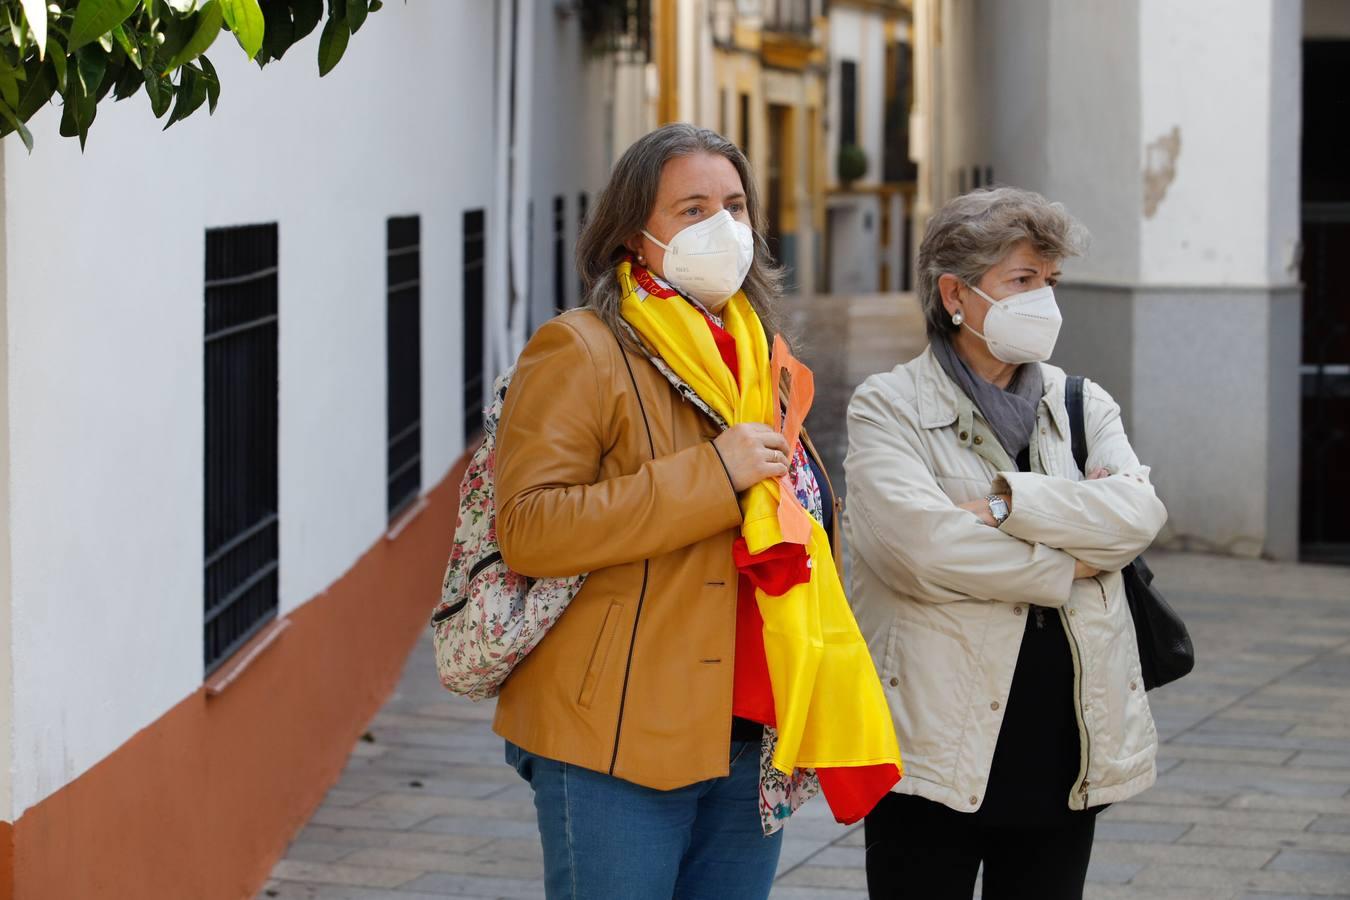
986, 573
614, 461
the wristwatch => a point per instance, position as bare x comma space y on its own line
998, 508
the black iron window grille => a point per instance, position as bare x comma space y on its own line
404, 360
475, 266
241, 524
559, 253
583, 210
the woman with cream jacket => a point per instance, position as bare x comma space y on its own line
986, 574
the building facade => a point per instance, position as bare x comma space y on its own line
1173, 131
242, 361
871, 177
754, 70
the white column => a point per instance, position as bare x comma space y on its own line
497, 281
6, 631
1217, 316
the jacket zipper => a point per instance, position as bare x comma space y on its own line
1085, 740
646, 571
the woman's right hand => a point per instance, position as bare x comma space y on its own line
752, 452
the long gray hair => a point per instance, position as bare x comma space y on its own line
626, 203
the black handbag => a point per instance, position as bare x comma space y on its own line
1165, 649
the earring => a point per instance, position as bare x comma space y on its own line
958, 317
642, 260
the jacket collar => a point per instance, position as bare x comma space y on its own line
941, 402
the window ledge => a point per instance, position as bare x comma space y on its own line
403, 521
229, 673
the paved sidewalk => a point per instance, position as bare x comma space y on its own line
1253, 800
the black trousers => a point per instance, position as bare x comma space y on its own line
920, 850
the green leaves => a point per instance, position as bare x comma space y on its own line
12, 119
245, 19
332, 44
212, 84
58, 59
209, 21
95, 18
356, 14
191, 94
85, 50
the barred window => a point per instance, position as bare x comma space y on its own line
241, 525
474, 263
404, 361
559, 253
583, 210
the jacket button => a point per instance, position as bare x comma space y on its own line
994, 706
964, 435
1017, 610
974, 801
979, 439
1073, 612
895, 682
1134, 685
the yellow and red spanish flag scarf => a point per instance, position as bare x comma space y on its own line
827, 702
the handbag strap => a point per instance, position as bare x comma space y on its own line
1073, 400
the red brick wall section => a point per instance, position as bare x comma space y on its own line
201, 803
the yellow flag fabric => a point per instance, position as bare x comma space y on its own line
828, 701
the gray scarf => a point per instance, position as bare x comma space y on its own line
1010, 412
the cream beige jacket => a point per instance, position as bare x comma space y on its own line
943, 598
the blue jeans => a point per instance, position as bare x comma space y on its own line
608, 838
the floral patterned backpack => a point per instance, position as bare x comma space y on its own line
489, 617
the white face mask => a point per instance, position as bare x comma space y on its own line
708, 260
1021, 328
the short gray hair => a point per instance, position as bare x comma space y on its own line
626, 202
971, 233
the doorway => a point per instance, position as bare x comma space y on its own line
1324, 501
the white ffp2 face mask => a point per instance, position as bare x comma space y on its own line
1021, 328
708, 260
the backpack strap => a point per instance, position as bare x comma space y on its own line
1073, 401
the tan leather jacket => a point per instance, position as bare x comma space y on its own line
635, 679
942, 598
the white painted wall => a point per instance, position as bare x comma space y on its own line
963, 66
1093, 148
569, 111
1065, 121
1213, 226
105, 378
6, 632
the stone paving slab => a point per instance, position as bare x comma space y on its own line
1252, 803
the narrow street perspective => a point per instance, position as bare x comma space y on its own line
265, 266
1252, 803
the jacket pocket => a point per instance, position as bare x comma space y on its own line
599, 656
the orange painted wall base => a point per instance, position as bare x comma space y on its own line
200, 804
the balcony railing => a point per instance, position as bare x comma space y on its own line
794, 17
